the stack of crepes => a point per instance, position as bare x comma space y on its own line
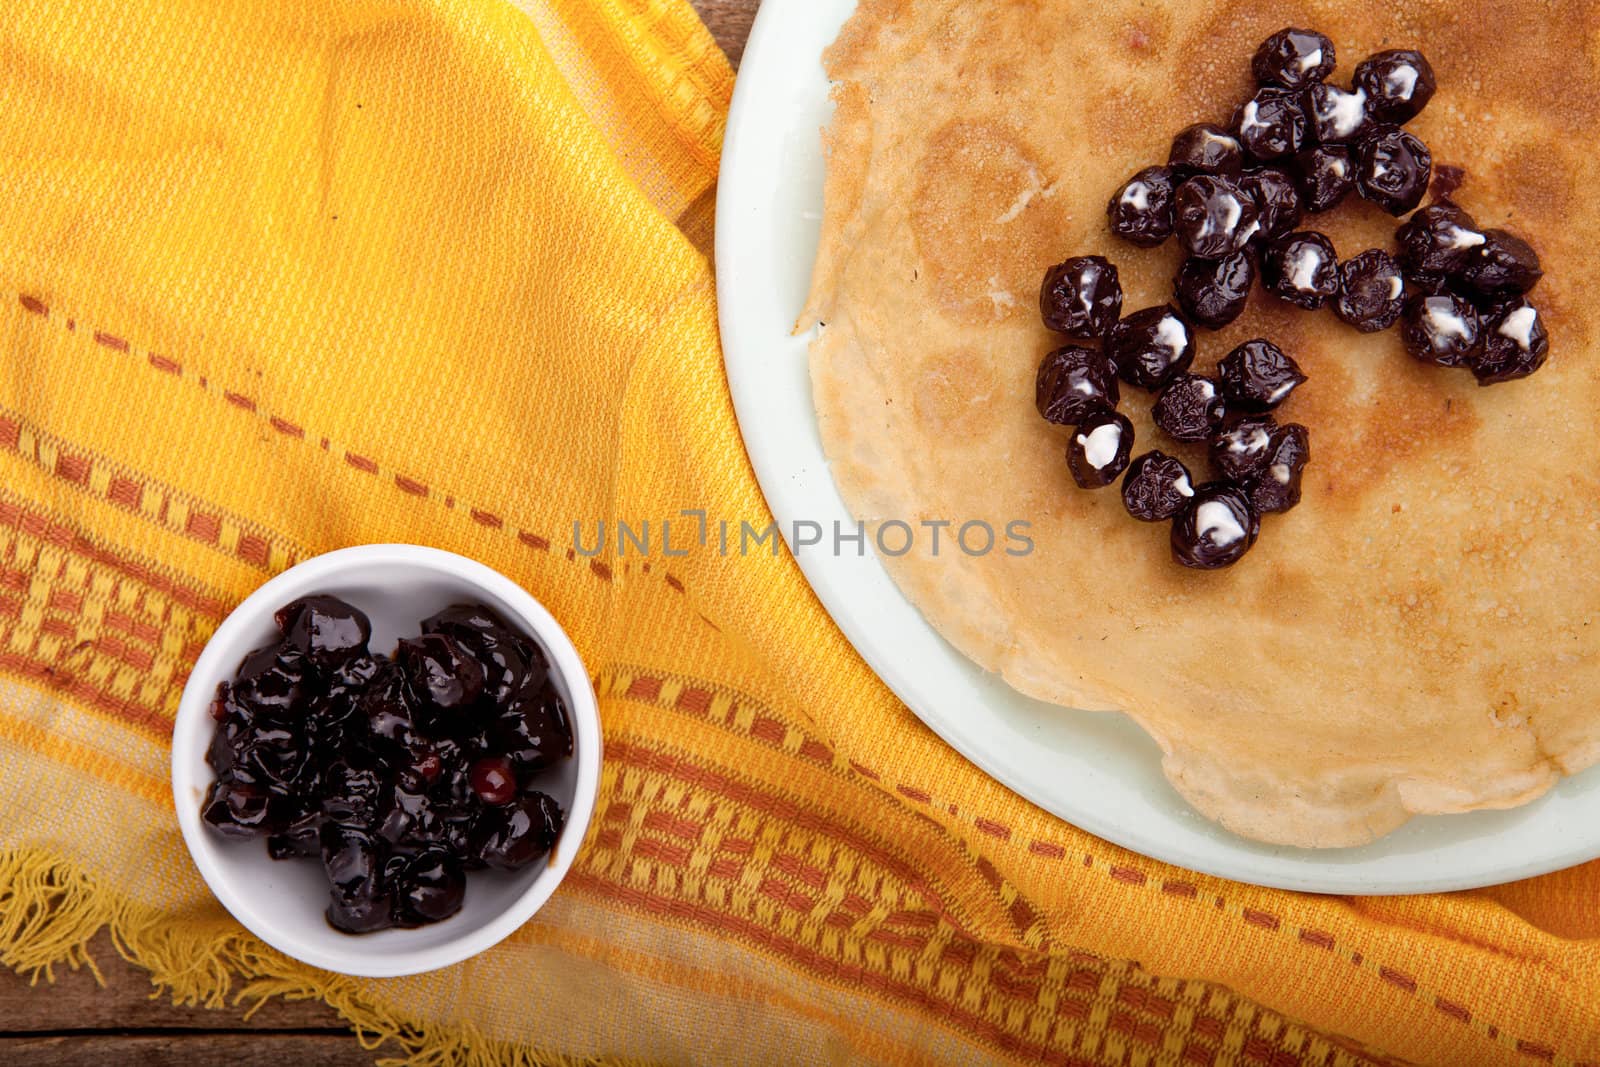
279, 276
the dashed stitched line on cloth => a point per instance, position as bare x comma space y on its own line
695, 697
136, 493
1400, 980
293, 430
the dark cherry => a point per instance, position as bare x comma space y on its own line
300, 839
1098, 451
1337, 116
1156, 488
1214, 217
1276, 486
1371, 291
1503, 266
1398, 83
1240, 451
1215, 528
353, 792
1141, 211
446, 679
1326, 175
1302, 268
237, 810
430, 887
272, 757
270, 684
384, 767
510, 661
353, 861
511, 837
1190, 409
1393, 169
1293, 58
1277, 200
324, 629
1441, 329
1257, 376
1426, 283
1151, 347
1205, 148
1271, 124
1515, 345
408, 812
1213, 292
1072, 383
1081, 297
1439, 239
494, 780
533, 731
465, 622
388, 705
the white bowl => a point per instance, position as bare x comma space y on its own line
282, 902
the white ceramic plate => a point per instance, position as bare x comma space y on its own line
1097, 771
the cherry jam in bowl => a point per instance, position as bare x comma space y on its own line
398, 591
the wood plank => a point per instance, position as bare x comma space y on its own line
729, 22
161, 1050
75, 1002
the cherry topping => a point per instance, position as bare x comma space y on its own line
1206, 149
1398, 83
1151, 347
1503, 266
1439, 239
1301, 268
1277, 201
1337, 115
1371, 291
1081, 297
1213, 292
1215, 528
1441, 329
1190, 409
1326, 174
1072, 383
1515, 345
1293, 58
1141, 211
1098, 451
1257, 376
1156, 488
387, 769
1271, 124
1214, 217
1393, 169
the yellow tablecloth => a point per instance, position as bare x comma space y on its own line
278, 276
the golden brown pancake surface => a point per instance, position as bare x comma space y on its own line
1422, 634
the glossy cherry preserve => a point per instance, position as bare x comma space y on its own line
1233, 196
398, 774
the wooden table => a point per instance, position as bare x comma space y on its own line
75, 1021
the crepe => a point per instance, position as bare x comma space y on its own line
1420, 635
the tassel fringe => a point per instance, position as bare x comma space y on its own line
50, 909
